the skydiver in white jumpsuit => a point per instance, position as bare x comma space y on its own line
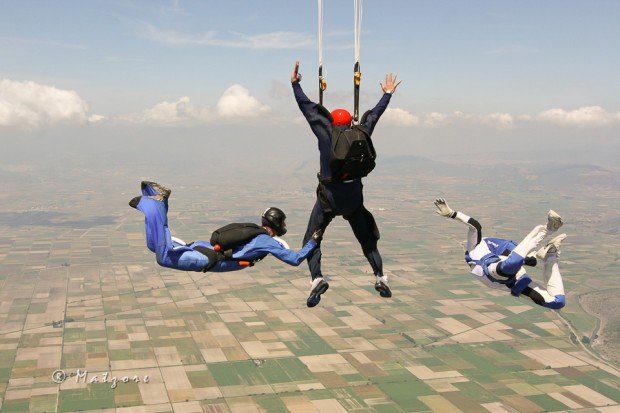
499, 263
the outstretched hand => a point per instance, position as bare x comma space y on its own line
390, 84
296, 76
317, 236
442, 208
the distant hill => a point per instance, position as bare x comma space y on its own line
535, 173
578, 174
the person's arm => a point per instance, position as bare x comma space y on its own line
318, 120
303, 101
372, 116
294, 257
474, 232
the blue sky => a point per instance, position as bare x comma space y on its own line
495, 63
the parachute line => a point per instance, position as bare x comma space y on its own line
357, 74
320, 36
357, 18
322, 82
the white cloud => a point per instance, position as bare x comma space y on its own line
181, 111
399, 117
435, 119
270, 40
499, 120
29, 104
96, 118
237, 102
582, 117
592, 116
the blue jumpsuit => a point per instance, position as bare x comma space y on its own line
186, 258
344, 198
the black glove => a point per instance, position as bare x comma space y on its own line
530, 261
317, 236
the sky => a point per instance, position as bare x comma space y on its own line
474, 74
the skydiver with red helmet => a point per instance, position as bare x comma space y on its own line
337, 196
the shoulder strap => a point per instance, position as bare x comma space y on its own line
364, 116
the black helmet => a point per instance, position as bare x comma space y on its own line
274, 218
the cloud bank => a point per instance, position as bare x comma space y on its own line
30, 105
400, 117
584, 117
174, 112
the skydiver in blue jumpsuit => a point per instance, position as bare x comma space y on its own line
199, 255
343, 198
499, 263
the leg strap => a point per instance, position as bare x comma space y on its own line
213, 256
328, 212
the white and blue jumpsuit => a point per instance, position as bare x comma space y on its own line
499, 263
177, 255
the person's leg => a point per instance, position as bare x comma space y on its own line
550, 297
317, 220
155, 223
552, 276
367, 234
552, 294
159, 241
516, 258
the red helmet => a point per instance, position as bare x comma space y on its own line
341, 117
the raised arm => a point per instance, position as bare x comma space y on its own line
305, 104
474, 232
371, 117
315, 114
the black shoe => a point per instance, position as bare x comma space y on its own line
161, 190
383, 288
315, 294
134, 202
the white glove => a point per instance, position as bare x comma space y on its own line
442, 208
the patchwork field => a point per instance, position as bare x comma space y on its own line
79, 292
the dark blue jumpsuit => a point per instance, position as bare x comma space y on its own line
344, 198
